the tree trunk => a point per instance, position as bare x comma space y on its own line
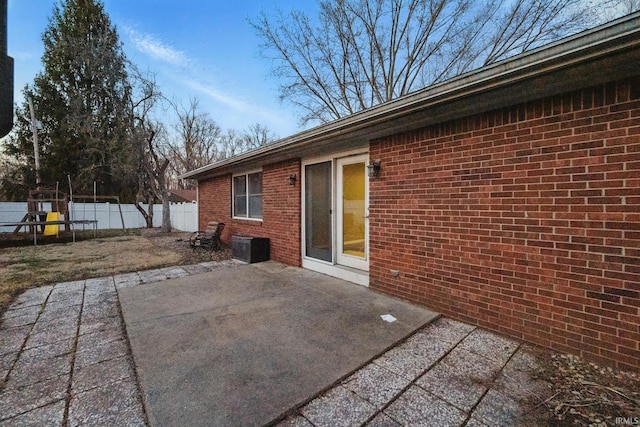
164, 195
148, 216
166, 212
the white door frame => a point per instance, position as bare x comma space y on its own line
351, 274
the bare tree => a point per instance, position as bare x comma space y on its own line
198, 141
146, 136
230, 144
612, 9
360, 53
630, 6
195, 142
256, 136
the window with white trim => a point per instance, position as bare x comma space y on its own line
247, 196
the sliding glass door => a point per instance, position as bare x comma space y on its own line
336, 201
318, 211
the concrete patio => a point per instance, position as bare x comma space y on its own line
65, 355
242, 346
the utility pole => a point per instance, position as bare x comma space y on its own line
36, 147
6, 76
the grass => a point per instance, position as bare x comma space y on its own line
24, 267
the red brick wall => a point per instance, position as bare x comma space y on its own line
525, 221
281, 210
214, 203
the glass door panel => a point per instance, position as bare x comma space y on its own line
352, 227
353, 211
318, 198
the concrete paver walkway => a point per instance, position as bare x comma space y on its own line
65, 360
447, 374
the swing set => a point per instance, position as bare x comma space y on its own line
39, 220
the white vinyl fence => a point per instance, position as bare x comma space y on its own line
184, 216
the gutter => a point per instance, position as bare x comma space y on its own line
610, 38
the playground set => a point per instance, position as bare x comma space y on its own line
48, 210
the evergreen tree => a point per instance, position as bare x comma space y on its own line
82, 99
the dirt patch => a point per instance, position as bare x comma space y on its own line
585, 394
25, 266
178, 242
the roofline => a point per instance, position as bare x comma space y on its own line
617, 35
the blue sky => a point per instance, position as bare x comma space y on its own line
196, 48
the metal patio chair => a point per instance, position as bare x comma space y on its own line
208, 239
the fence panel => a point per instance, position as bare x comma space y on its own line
14, 212
184, 216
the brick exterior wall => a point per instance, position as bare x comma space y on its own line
525, 221
281, 210
214, 203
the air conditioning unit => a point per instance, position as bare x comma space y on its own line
250, 249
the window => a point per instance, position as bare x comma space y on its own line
247, 195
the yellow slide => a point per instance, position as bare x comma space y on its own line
52, 229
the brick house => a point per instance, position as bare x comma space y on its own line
508, 197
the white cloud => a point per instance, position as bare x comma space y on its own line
229, 101
155, 48
231, 109
244, 111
